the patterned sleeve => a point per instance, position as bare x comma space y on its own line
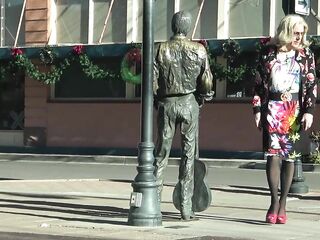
310, 86
257, 92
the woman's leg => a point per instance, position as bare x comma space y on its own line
287, 170
273, 177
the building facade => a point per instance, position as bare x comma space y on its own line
77, 112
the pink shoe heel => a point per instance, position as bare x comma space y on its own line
282, 219
271, 218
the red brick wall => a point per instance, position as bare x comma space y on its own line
36, 94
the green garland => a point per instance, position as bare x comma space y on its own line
93, 71
232, 72
21, 62
47, 56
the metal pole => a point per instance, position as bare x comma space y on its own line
144, 204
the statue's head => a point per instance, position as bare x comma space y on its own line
181, 23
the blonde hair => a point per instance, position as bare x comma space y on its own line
285, 33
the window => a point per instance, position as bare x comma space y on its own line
207, 25
115, 29
11, 100
242, 87
75, 84
72, 21
312, 19
164, 10
162, 19
249, 18
83, 21
10, 17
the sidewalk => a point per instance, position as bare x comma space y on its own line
98, 209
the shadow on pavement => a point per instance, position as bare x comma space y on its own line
30, 236
244, 190
36, 195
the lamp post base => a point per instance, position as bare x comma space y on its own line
144, 204
298, 185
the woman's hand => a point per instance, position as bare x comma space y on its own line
257, 119
307, 120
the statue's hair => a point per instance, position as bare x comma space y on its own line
181, 23
285, 33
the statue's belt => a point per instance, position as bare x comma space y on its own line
176, 95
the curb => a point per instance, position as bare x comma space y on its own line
122, 160
132, 160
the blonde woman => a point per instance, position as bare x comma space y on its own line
283, 104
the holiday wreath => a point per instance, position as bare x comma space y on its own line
131, 66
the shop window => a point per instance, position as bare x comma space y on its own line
11, 100
9, 20
76, 85
240, 85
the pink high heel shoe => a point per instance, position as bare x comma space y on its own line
271, 218
282, 219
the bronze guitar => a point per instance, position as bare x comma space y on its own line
202, 196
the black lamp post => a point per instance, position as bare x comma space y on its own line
144, 204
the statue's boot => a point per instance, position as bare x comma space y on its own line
188, 215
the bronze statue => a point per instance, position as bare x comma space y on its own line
182, 81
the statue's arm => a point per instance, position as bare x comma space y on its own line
206, 81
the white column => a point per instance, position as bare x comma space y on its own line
90, 22
222, 33
53, 23
132, 20
317, 16
223, 19
272, 13
2, 22
132, 35
176, 6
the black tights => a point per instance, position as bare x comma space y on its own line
277, 170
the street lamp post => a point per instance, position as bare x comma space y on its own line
144, 204
298, 184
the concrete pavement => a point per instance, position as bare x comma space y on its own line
98, 209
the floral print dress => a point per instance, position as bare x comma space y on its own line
277, 72
282, 115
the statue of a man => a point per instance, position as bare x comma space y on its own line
182, 80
